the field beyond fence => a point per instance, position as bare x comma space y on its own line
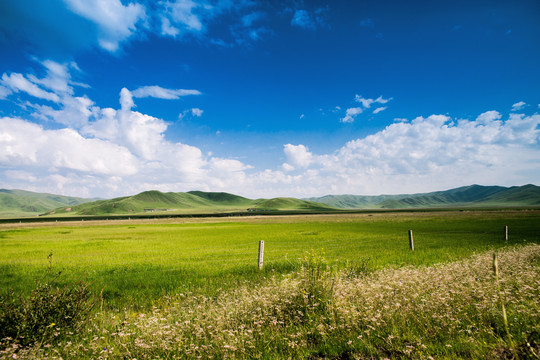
134, 263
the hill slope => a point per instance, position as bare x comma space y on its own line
467, 196
193, 201
355, 201
27, 203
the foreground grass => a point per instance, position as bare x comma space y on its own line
135, 263
445, 311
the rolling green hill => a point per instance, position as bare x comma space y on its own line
355, 201
466, 196
19, 203
192, 202
289, 204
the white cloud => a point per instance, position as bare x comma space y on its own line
297, 156
518, 106
17, 82
366, 103
113, 152
426, 154
27, 144
115, 21
351, 114
167, 28
67, 110
197, 112
58, 78
75, 111
488, 117
4, 92
162, 93
182, 14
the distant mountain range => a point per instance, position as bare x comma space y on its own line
19, 203
467, 196
26, 203
193, 201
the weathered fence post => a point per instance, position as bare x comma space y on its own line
261, 254
506, 233
411, 241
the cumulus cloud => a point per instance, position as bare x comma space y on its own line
93, 151
379, 109
28, 144
103, 149
74, 111
115, 21
488, 117
428, 153
297, 156
518, 106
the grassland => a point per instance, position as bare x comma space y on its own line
137, 262
333, 286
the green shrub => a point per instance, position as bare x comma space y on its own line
316, 285
49, 311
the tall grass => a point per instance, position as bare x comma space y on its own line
445, 311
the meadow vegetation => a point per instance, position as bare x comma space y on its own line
333, 287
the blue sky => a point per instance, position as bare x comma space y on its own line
284, 98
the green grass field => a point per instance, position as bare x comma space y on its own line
135, 263
333, 287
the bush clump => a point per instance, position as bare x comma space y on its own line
48, 312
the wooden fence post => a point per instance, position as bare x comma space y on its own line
506, 233
411, 241
261, 254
